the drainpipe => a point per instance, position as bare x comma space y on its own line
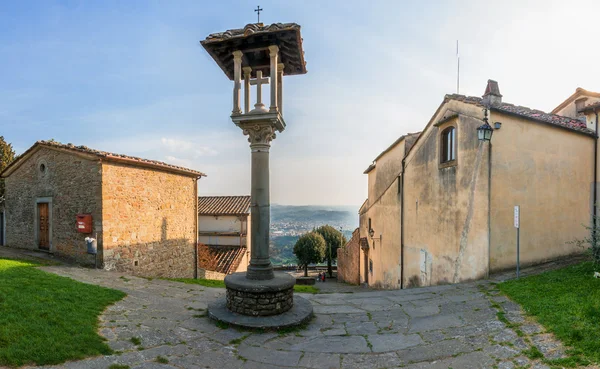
196, 227
402, 225
489, 207
594, 223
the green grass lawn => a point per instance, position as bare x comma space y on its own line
48, 319
567, 303
220, 284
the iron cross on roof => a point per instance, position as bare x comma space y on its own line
258, 10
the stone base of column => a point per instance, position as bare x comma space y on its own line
261, 303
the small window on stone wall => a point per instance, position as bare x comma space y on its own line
370, 266
42, 169
448, 147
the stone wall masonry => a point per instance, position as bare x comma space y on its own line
263, 304
73, 183
348, 260
149, 221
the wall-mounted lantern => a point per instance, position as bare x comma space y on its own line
485, 131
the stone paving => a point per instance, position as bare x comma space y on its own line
451, 326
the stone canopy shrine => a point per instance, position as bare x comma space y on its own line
258, 55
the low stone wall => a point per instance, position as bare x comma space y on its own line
348, 260
209, 274
263, 304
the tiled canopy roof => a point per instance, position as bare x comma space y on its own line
222, 259
528, 113
224, 205
132, 160
254, 40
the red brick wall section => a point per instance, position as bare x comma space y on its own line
348, 260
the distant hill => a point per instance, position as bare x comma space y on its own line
345, 216
288, 222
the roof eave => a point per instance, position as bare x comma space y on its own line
181, 171
370, 168
584, 132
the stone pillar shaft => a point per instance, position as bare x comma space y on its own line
247, 71
260, 267
237, 85
273, 50
280, 67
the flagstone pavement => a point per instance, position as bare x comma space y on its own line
450, 326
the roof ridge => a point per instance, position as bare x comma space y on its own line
528, 113
106, 154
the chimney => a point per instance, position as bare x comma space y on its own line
492, 96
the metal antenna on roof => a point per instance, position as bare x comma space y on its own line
258, 10
457, 69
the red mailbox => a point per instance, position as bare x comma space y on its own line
84, 223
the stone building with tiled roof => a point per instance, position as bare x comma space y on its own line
224, 227
142, 213
440, 207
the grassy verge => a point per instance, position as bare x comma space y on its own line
48, 319
567, 303
220, 284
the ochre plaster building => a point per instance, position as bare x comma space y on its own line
440, 205
224, 226
143, 213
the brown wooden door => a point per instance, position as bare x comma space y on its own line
44, 223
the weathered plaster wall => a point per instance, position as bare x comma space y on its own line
149, 221
388, 168
548, 171
73, 184
571, 109
384, 212
348, 260
446, 209
221, 223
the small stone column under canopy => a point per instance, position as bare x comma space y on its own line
254, 56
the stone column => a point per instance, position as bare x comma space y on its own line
280, 67
273, 50
247, 71
237, 84
260, 137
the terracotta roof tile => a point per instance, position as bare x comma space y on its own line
109, 156
528, 113
223, 205
222, 259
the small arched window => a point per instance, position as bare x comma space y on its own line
448, 145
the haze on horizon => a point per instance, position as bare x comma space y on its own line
131, 77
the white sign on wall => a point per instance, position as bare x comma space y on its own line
517, 216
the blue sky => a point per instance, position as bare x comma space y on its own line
130, 77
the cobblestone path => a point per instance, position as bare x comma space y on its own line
452, 326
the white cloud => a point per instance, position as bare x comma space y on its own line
189, 148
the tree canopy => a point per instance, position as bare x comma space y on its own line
334, 239
7, 155
310, 249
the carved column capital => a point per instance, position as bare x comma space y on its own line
260, 136
237, 55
